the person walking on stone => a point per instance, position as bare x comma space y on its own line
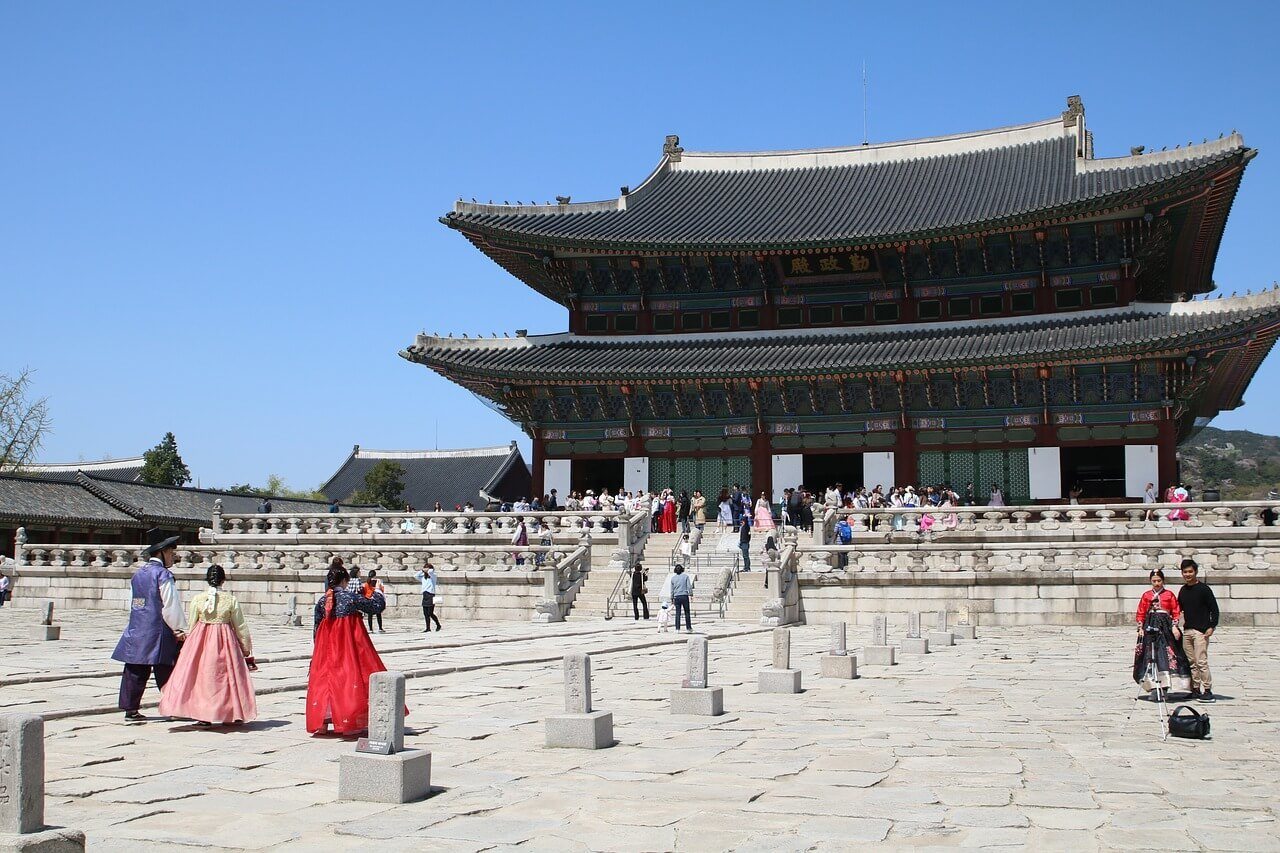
211, 682
342, 658
639, 590
157, 624
370, 586
681, 591
427, 577
4, 589
1199, 620
698, 509
744, 542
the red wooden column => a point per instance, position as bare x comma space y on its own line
538, 468
1167, 455
905, 461
761, 466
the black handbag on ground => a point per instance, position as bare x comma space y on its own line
1192, 724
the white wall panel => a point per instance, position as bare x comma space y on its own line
877, 470
1044, 469
1141, 466
788, 472
555, 475
635, 473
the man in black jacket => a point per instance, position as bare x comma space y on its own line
1199, 619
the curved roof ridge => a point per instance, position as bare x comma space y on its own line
877, 152
458, 453
131, 462
1208, 148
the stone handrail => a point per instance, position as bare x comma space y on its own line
258, 525
561, 583
984, 521
785, 609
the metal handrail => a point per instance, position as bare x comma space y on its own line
639, 520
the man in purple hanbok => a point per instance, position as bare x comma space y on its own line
157, 624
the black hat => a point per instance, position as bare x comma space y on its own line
158, 540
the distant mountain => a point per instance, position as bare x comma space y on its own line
1243, 465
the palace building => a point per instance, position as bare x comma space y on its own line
991, 307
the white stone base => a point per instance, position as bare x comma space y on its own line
965, 632
915, 645
47, 632
839, 666
580, 731
941, 638
45, 841
779, 681
879, 655
546, 618
401, 777
702, 701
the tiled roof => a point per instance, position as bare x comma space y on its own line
452, 477
182, 504
28, 500
855, 195
124, 470
728, 355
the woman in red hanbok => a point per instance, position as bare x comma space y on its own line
342, 658
669, 514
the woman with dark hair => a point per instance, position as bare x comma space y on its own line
367, 589
1158, 658
211, 683
342, 658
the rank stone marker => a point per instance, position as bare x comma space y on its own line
880, 653
838, 663
579, 727
381, 770
913, 643
967, 628
695, 696
22, 791
780, 678
942, 636
46, 630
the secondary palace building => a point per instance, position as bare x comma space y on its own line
996, 307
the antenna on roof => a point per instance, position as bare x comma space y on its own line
864, 101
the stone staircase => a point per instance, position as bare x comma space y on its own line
745, 597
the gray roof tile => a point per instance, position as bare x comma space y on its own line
452, 477
854, 195
830, 351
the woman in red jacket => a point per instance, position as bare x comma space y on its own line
1158, 658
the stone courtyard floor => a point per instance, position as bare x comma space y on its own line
1027, 737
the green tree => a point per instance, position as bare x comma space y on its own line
162, 466
382, 485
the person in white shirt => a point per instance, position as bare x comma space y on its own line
427, 577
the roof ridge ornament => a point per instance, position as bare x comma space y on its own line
1074, 110
671, 148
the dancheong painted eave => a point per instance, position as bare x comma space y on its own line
860, 195
1138, 330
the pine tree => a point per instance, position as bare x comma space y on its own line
162, 466
382, 485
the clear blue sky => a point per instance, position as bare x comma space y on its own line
220, 219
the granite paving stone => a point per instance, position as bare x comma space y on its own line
964, 750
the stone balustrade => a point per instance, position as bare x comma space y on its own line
471, 524
987, 522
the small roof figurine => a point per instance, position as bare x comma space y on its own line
158, 540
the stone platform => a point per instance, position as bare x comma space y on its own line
972, 748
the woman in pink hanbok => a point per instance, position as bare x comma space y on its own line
1177, 496
763, 513
210, 683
